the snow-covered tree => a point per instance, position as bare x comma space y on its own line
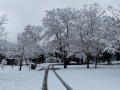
89, 27
33, 37
58, 24
29, 43
3, 20
111, 34
11, 50
3, 63
20, 49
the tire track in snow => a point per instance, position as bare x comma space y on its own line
62, 81
44, 86
53, 82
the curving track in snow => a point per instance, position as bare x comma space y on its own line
52, 81
62, 81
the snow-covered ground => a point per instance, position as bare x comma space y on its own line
77, 76
13, 79
53, 82
80, 78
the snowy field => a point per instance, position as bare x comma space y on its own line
77, 76
80, 78
20, 80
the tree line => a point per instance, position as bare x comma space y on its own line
83, 33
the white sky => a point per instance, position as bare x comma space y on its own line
23, 12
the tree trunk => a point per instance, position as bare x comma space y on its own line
78, 61
20, 67
81, 61
65, 62
87, 62
96, 60
68, 61
2, 67
109, 62
29, 66
20, 64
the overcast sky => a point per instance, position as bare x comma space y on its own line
23, 12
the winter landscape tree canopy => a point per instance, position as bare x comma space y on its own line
83, 33
69, 34
55, 54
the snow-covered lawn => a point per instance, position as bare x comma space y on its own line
20, 80
77, 77
80, 78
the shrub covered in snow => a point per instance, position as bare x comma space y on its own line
3, 62
53, 60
